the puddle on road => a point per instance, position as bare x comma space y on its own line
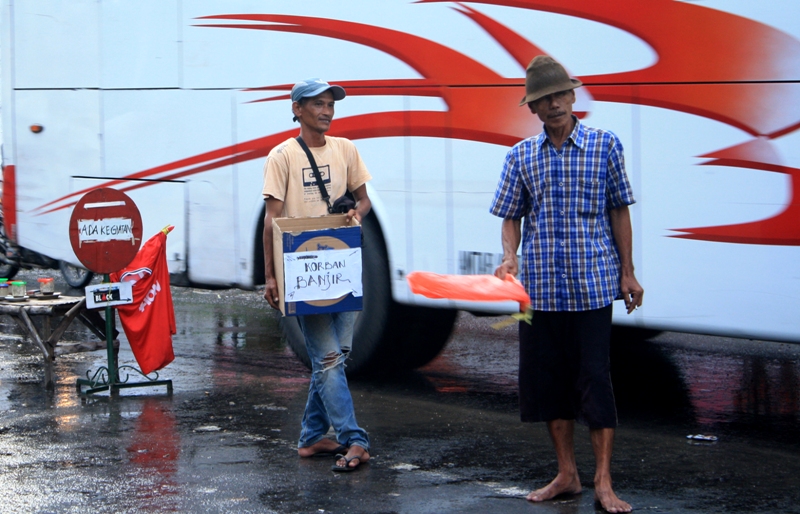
710, 383
228, 339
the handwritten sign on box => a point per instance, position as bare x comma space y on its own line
314, 234
322, 275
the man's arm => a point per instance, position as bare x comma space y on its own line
632, 292
274, 209
511, 236
363, 204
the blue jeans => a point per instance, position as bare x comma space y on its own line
329, 338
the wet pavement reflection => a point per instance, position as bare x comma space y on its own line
446, 438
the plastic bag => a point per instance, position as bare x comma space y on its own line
477, 288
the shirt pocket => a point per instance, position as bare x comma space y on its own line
590, 196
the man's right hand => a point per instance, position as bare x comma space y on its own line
511, 238
508, 266
271, 293
274, 210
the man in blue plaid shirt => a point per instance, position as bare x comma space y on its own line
570, 187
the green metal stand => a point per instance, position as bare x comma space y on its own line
108, 378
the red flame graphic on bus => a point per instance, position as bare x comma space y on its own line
710, 63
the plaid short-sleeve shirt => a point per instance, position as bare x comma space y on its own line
569, 258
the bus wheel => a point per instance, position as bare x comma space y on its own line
74, 276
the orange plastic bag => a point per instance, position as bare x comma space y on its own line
478, 288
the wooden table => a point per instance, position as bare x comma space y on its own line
67, 308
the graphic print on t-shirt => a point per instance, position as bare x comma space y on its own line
310, 187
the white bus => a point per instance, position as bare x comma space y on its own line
177, 102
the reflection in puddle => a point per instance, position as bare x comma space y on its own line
731, 389
477, 359
712, 382
248, 353
677, 378
154, 450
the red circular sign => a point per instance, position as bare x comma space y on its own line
105, 230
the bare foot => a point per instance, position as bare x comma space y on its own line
356, 456
324, 445
560, 485
609, 501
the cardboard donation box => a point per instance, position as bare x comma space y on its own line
317, 264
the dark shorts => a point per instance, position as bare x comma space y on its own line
564, 368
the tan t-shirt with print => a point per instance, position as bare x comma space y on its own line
288, 175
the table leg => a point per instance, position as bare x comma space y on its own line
95, 323
76, 309
47, 350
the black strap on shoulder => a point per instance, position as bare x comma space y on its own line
322, 190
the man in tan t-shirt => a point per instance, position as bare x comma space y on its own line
290, 189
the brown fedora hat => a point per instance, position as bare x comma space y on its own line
545, 76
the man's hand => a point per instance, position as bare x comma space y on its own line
274, 209
511, 234
509, 266
632, 292
363, 205
271, 293
352, 213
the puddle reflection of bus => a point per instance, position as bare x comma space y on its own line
742, 389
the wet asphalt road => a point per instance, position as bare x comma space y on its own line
446, 438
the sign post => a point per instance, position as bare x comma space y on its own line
105, 231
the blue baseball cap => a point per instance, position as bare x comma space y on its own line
310, 88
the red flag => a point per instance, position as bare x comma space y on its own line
149, 321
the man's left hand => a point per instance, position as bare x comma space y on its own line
632, 292
352, 213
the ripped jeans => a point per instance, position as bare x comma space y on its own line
329, 338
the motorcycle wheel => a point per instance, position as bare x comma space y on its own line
74, 276
8, 271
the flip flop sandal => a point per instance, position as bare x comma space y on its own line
346, 468
329, 453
